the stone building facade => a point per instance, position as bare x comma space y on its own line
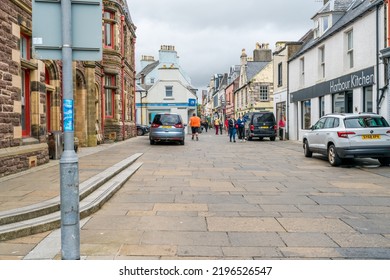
31, 89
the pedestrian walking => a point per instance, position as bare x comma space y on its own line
195, 125
281, 126
216, 125
241, 128
205, 125
220, 126
227, 125
232, 128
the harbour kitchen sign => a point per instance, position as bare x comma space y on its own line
357, 79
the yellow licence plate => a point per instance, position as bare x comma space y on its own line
166, 126
264, 126
371, 137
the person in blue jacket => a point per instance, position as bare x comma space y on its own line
232, 128
241, 128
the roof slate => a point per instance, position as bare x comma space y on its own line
356, 10
254, 67
147, 69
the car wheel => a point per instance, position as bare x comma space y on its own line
182, 142
306, 149
151, 142
140, 132
272, 138
333, 158
385, 161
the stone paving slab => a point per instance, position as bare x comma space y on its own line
314, 225
243, 224
188, 238
307, 239
380, 226
252, 252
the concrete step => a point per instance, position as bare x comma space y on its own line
46, 215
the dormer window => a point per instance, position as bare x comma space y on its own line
325, 24
321, 25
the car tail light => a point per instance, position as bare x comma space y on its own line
155, 125
179, 125
345, 134
252, 127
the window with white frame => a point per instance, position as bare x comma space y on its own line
302, 71
168, 91
349, 39
280, 74
321, 59
264, 93
325, 24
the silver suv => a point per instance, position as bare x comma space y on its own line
167, 127
342, 136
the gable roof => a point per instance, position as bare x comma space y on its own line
254, 67
147, 69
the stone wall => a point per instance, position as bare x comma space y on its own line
17, 159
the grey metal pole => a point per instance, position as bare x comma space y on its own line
69, 172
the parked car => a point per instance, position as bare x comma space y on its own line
167, 127
260, 124
345, 136
142, 129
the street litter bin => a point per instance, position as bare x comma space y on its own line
56, 144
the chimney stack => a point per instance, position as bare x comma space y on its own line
146, 60
262, 53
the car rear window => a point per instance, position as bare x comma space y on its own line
360, 122
166, 119
263, 118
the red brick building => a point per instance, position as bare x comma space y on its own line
31, 89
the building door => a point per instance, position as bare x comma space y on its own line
25, 100
48, 101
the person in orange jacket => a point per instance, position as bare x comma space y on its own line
195, 125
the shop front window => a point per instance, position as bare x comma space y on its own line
367, 99
343, 102
306, 114
322, 106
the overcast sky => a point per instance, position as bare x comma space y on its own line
209, 35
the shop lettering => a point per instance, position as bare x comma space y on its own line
354, 81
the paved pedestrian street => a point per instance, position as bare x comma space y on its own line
213, 199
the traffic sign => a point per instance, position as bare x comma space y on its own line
86, 29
